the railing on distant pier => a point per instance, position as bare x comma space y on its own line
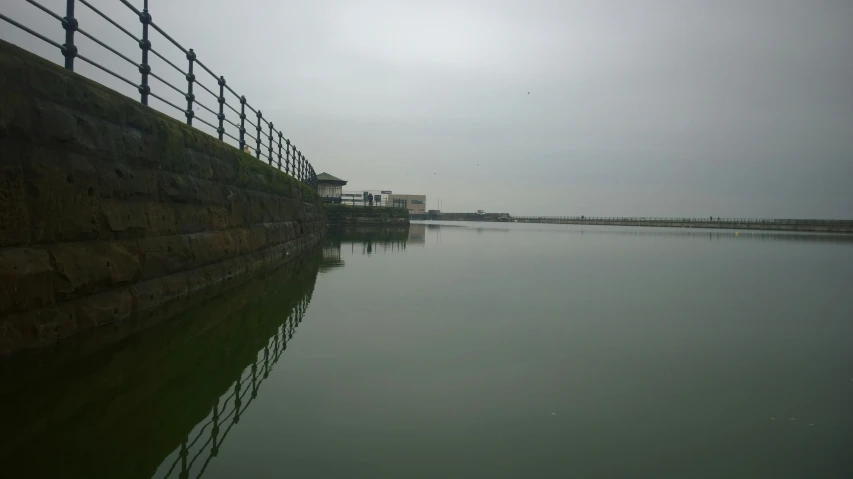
266, 137
224, 414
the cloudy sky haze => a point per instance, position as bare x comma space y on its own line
652, 108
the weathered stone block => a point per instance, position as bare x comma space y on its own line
123, 219
175, 285
222, 168
164, 255
38, 328
100, 309
210, 247
239, 209
16, 116
120, 180
178, 188
192, 218
257, 238
198, 165
26, 279
86, 268
160, 219
62, 196
65, 129
218, 217
256, 208
56, 123
147, 294
72, 90
276, 233
211, 194
140, 117
14, 217
98, 137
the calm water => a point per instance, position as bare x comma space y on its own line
467, 350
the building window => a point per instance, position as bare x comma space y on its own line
416, 202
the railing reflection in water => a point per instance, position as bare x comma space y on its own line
232, 404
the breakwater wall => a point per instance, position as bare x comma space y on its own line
344, 215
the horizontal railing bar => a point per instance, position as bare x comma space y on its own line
166, 102
108, 71
231, 90
167, 61
201, 449
174, 463
204, 466
232, 108
31, 32
205, 107
226, 417
233, 124
207, 69
84, 2
198, 435
205, 122
250, 136
128, 5
230, 136
173, 87
45, 10
205, 88
90, 37
166, 35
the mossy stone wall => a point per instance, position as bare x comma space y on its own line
109, 208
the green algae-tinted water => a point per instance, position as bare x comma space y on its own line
470, 351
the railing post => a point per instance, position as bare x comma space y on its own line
215, 431
237, 401
221, 115
266, 361
299, 165
145, 45
242, 123
258, 139
287, 156
254, 380
184, 453
269, 154
279, 150
69, 23
190, 80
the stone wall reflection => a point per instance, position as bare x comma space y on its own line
160, 402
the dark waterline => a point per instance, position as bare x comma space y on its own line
470, 350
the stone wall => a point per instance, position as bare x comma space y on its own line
345, 215
109, 208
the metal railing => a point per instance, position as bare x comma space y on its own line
290, 160
209, 434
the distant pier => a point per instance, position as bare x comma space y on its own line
804, 225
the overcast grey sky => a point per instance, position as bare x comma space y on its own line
653, 107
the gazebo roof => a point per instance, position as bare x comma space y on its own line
327, 178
